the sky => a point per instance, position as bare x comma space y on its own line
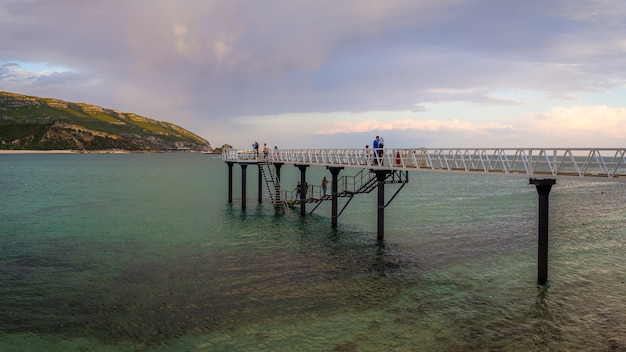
334, 73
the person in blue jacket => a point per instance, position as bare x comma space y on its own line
376, 147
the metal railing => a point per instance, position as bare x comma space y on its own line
597, 163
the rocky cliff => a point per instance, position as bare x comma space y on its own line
33, 123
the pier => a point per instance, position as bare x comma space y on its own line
542, 166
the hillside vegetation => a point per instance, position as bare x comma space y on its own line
33, 123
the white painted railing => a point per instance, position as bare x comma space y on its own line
601, 163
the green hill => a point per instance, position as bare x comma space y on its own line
33, 123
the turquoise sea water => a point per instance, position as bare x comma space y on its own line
141, 252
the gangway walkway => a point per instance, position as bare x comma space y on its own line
554, 163
542, 166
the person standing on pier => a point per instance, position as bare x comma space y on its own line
298, 190
324, 185
255, 147
377, 151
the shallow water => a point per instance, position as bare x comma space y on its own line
111, 252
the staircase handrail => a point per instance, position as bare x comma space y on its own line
273, 178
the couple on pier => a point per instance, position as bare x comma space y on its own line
378, 145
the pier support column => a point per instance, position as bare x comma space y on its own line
303, 188
381, 176
277, 167
260, 187
243, 185
334, 191
230, 181
543, 189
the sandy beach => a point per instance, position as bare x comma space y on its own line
37, 151
63, 151
112, 151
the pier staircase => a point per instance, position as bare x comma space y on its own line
273, 186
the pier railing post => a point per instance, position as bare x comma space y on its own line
334, 191
543, 189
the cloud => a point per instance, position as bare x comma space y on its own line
407, 124
578, 123
13, 75
581, 121
180, 32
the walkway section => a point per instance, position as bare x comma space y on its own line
555, 163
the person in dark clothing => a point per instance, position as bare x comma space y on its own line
324, 185
298, 190
255, 147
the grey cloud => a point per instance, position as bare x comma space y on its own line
232, 58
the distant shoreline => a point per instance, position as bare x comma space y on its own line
65, 151
38, 152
